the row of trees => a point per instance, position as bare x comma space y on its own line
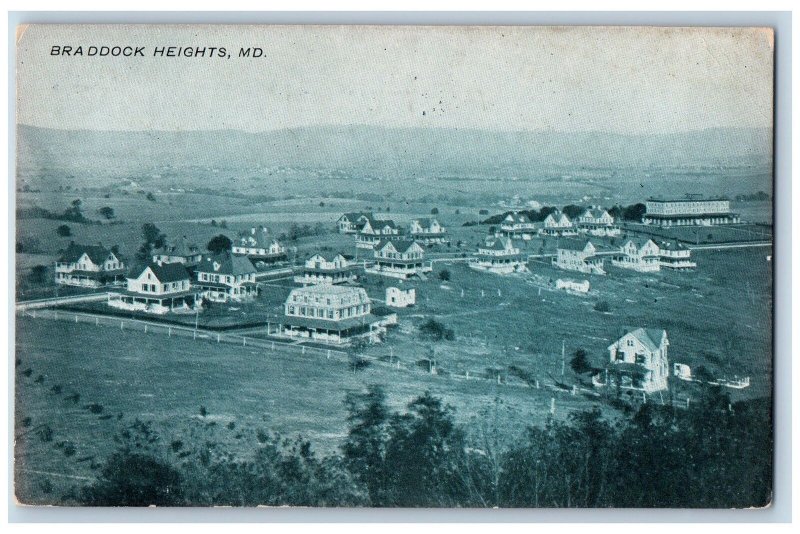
715, 454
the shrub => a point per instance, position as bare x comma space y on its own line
444, 275
436, 331
64, 230
602, 306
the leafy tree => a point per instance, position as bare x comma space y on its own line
634, 212
219, 243
135, 479
580, 362
106, 212
572, 211
602, 306
424, 454
435, 211
64, 230
151, 197
38, 274
436, 331
152, 239
365, 446
444, 275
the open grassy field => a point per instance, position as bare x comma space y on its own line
121, 376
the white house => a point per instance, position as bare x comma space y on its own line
350, 223
500, 256
157, 288
517, 225
223, 277
557, 224
399, 258
427, 231
330, 314
259, 246
638, 254
89, 266
319, 269
597, 222
674, 255
638, 360
179, 251
399, 298
372, 230
580, 255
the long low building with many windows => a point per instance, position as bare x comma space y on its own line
331, 314
691, 211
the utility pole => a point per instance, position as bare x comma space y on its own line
563, 358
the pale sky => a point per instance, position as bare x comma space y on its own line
623, 80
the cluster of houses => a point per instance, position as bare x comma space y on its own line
639, 254
593, 221
369, 231
330, 306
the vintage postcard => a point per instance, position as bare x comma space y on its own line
394, 266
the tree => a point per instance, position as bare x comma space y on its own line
580, 362
152, 239
106, 212
135, 479
364, 448
38, 274
64, 230
151, 197
572, 211
444, 275
634, 212
435, 211
424, 453
219, 243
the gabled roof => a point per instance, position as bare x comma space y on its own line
517, 218
260, 236
639, 242
226, 263
401, 245
166, 272
326, 257
97, 253
180, 247
649, 337
499, 244
353, 216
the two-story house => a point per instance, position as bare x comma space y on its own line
638, 360
259, 246
372, 230
498, 256
157, 287
89, 266
179, 251
427, 231
581, 255
597, 222
676, 256
517, 226
319, 269
399, 258
557, 224
224, 277
638, 254
330, 314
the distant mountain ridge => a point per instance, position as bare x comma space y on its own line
388, 150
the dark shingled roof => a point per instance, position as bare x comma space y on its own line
227, 263
97, 253
166, 272
402, 245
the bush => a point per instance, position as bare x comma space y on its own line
602, 306
436, 331
64, 230
444, 275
